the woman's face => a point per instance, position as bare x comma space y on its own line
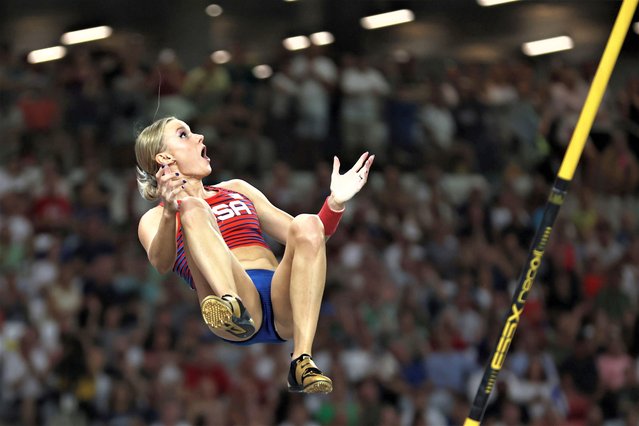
186, 149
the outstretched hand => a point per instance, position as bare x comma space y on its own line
344, 187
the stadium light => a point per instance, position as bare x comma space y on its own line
213, 10
88, 34
221, 56
322, 38
387, 19
262, 71
296, 43
45, 55
487, 3
549, 45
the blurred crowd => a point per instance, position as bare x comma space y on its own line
420, 272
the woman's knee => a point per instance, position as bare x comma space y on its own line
193, 210
307, 229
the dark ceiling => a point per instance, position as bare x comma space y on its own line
451, 29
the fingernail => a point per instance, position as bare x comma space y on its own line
183, 181
177, 174
182, 186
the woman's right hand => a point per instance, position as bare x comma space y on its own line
170, 185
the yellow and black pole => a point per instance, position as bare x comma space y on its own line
555, 200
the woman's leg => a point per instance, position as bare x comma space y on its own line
298, 283
296, 295
214, 268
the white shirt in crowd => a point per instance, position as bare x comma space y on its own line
312, 75
362, 88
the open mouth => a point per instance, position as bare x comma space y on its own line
203, 153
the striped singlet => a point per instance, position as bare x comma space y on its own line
238, 223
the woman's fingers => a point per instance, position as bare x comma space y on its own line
369, 163
167, 169
360, 162
170, 193
173, 186
336, 165
366, 167
159, 173
362, 172
171, 167
167, 179
174, 191
169, 172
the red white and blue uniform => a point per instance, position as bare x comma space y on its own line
240, 227
238, 223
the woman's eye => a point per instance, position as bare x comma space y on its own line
182, 135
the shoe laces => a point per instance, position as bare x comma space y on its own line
235, 304
309, 367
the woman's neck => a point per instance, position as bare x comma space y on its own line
195, 188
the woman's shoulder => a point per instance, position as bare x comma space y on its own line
236, 185
243, 188
152, 213
150, 220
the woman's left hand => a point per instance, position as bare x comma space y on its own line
344, 187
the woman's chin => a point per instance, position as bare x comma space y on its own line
207, 172
199, 174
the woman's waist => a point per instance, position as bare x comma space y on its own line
255, 257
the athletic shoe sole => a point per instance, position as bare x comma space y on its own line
319, 386
218, 314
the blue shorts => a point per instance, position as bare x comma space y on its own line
266, 334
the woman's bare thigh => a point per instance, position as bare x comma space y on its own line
281, 296
245, 289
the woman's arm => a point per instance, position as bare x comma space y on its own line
156, 232
158, 226
276, 222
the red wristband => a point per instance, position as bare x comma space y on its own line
329, 218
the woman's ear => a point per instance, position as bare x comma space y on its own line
164, 159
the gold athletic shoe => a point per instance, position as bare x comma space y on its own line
304, 376
229, 314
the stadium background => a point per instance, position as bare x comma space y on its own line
468, 134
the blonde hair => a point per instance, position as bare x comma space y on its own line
147, 145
